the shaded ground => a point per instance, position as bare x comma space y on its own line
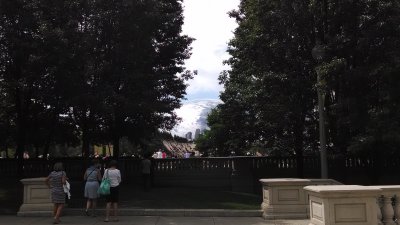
11, 194
151, 220
131, 196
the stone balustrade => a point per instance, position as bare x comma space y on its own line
37, 197
343, 205
388, 205
354, 205
285, 198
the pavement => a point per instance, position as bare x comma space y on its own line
149, 220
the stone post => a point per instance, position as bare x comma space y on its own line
285, 198
343, 205
37, 198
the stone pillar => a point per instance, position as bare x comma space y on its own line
37, 198
285, 198
343, 205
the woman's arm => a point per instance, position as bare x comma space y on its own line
119, 177
48, 181
98, 175
64, 178
85, 175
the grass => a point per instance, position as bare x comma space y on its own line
179, 198
189, 198
11, 194
131, 196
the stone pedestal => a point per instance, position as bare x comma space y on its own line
343, 205
285, 198
37, 198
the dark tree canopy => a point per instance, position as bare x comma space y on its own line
270, 100
89, 71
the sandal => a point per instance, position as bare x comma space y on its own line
87, 213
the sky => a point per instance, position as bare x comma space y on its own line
208, 22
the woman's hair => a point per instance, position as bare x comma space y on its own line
95, 162
112, 163
58, 166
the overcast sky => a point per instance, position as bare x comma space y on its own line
208, 22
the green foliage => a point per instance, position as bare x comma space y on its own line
89, 72
270, 91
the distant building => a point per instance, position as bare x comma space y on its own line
188, 136
197, 134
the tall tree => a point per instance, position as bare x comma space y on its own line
94, 70
269, 96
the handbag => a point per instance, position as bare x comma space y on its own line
66, 187
105, 185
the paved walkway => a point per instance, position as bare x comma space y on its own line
149, 220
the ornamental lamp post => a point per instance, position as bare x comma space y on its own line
318, 53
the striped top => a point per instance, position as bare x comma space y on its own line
56, 180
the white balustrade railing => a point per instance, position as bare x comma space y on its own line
285, 198
353, 204
389, 205
379, 203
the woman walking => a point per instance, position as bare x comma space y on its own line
114, 175
55, 182
92, 177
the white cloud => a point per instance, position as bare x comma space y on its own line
208, 22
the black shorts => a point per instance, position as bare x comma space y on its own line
114, 195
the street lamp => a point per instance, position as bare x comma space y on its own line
318, 53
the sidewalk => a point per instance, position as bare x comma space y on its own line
149, 220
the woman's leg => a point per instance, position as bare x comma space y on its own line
88, 204
115, 206
55, 209
94, 203
108, 211
59, 211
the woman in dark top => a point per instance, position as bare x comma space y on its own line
55, 182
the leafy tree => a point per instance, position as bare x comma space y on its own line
146, 63
89, 71
214, 141
269, 98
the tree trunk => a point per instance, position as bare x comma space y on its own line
36, 151
50, 136
20, 122
298, 146
299, 157
6, 147
115, 146
85, 142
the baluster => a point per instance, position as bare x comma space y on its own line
387, 210
397, 210
379, 203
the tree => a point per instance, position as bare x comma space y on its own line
89, 71
271, 80
269, 97
214, 141
144, 53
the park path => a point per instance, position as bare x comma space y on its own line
149, 220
